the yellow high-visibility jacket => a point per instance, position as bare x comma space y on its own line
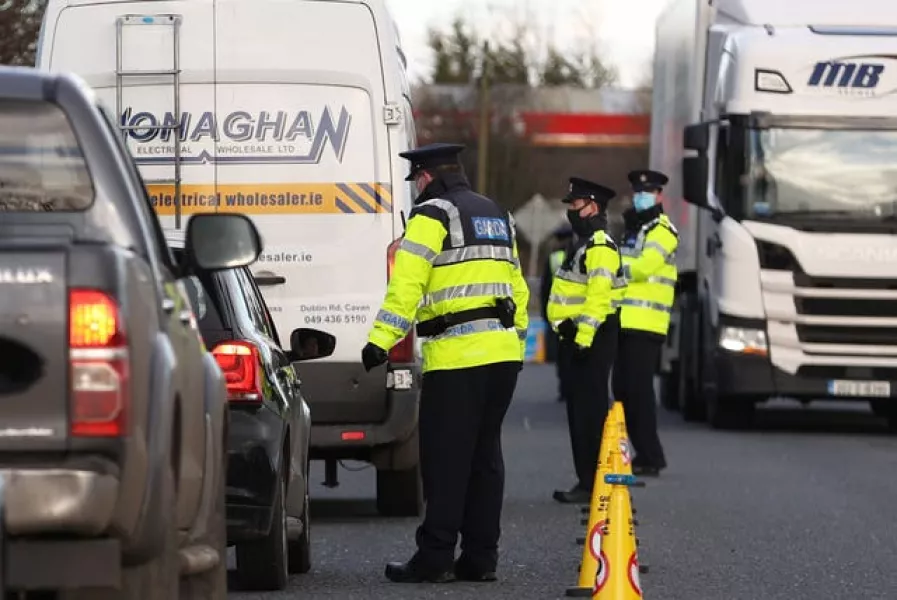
649, 265
459, 252
586, 286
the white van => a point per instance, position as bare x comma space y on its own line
292, 112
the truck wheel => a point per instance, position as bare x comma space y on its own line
262, 564
691, 405
299, 559
156, 579
212, 584
400, 493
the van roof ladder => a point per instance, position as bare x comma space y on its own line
163, 24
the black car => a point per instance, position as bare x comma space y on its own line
270, 424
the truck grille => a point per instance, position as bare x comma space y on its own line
847, 306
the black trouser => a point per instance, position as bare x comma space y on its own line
461, 414
633, 384
588, 404
563, 368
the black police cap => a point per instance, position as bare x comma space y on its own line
431, 155
645, 180
583, 188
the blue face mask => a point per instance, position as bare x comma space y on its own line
643, 201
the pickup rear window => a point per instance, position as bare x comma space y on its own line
42, 168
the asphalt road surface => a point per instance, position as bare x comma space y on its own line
801, 507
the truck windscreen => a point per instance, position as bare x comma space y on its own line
42, 168
821, 173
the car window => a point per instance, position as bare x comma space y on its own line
256, 309
205, 306
260, 299
42, 168
233, 287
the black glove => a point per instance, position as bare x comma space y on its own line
580, 354
373, 356
567, 330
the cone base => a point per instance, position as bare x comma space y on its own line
579, 592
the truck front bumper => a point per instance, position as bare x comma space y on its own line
741, 375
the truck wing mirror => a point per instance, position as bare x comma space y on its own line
697, 137
694, 185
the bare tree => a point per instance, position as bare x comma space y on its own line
20, 22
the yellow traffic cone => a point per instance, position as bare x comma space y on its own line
591, 567
624, 445
621, 575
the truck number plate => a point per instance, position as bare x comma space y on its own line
864, 389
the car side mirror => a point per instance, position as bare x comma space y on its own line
217, 241
309, 344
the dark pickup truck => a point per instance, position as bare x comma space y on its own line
113, 418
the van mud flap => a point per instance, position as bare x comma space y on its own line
34, 372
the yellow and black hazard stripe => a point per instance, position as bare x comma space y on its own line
369, 198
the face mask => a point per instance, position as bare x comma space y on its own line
584, 226
643, 201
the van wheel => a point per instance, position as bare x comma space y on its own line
212, 584
262, 564
400, 493
156, 579
299, 560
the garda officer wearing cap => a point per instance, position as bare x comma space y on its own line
565, 240
457, 273
649, 266
582, 309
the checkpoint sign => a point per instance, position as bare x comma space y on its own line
599, 556
634, 580
626, 450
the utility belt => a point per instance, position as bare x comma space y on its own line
504, 311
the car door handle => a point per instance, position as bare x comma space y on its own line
185, 316
267, 278
168, 305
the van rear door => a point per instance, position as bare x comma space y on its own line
152, 63
304, 151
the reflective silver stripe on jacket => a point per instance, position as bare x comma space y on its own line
588, 321
393, 320
574, 276
566, 300
629, 251
662, 280
417, 250
498, 290
601, 272
659, 248
647, 304
479, 326
459, 255
456, 231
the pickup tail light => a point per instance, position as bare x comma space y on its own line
241, 364
98, 366
403, 352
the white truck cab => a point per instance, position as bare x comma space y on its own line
292, 113
779, 121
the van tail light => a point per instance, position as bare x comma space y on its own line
241, 364
403, 352
99, 366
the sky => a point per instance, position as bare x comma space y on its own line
623, 29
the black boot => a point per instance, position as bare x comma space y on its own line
576, 495
465, 571
410, 572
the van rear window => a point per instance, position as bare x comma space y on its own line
42, 168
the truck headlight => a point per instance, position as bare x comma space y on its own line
744, 341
